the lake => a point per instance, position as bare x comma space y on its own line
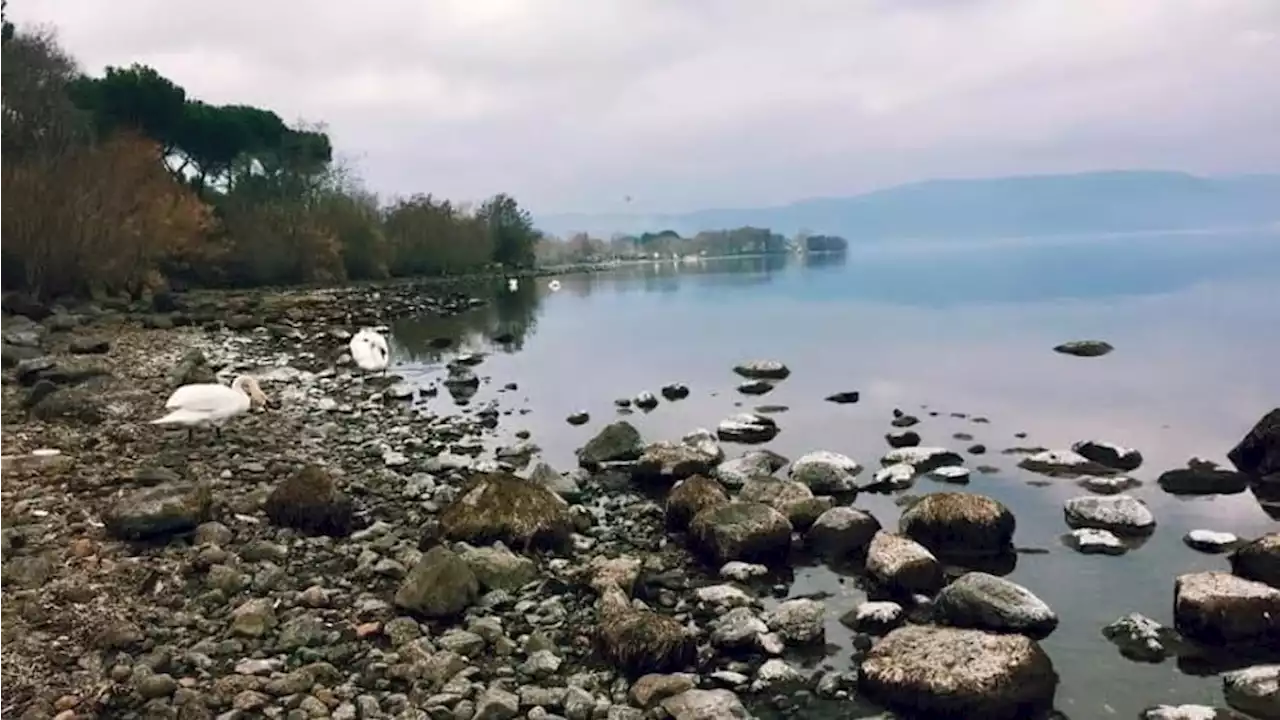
954, 328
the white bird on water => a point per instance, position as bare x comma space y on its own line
369, 350
211, 404
554, 285
513, 284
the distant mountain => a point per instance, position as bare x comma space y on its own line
1035, 205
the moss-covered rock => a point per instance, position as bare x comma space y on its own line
957, 524
752, 532
642, 641
691, 497
310, 501
501, 506
440, 585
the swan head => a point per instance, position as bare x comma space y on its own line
248, 385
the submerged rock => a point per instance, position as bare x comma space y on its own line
939, 671
1107, 485
923, 459
691, 497
746, 531
986, 602
844, 398
893, 477
1092, 541
747, 428
755, 387
763, 370
902, 438
1258, 453
1121, 514
1063, 463
1140, 638
1259, 560
1217, 607
159, 511
616, 442
1254, 690
1210, 541
953, 474
1201, 479
1113, 456
310, 501
826, 472
1084, 348
500, 506
959, 524
903, 564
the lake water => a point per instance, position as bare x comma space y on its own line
965, 328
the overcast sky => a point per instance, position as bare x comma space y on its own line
682, 104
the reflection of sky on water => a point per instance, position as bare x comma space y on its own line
965, 328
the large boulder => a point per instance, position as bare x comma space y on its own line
1258, 453
747, 531
1254, 690
826, 472
1259, 560
1121, 514
986, 602
441, 585
310, 501
1220, 608
902, 564
959, 524
616, 442
962, 673
842, 533
1109, 454
159, 511
691, 497
736, 472
501, 506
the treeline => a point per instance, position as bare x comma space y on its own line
123, 183
713, 243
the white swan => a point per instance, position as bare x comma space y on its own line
211, 404
554, 285
513, 284
369, 350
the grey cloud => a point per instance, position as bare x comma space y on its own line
571, 104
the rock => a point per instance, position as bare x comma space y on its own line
14, 355
985, 675
903, 438
1202, 480
1107, 485
1140, 638
736, 472
645, 400
958, 524
894, 477
953, 474
566, 486
691, 497
501, 506
1210, 541
744, 531
192, 368
640, 642
1063, 463
652, 689
902, 564
461, 377
496, 704
747, 428
737, 629
1111, 455
844, 397
874, 617
777, 675
1188, 712
798, 621
705, 705
986, 602
763, 370
705, 442
310, 501
755, 387
667, 462
1259, 560
1220, 608
905, 421
159, 511
826, 472
580, 417
675, 391
89, 345
1084, 348
1121, 514
786, 496
72, 404
1254, 690
923, 459
253, 618
1089, 541
1258, 453
497, 568
842, 533
441, 585
743, 572
616, 442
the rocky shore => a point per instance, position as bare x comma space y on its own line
350, 552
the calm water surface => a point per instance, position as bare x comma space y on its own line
955, 327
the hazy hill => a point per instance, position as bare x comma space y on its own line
1098, 202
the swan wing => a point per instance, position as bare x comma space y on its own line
207, 399
369, 350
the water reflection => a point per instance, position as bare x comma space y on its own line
503, 323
